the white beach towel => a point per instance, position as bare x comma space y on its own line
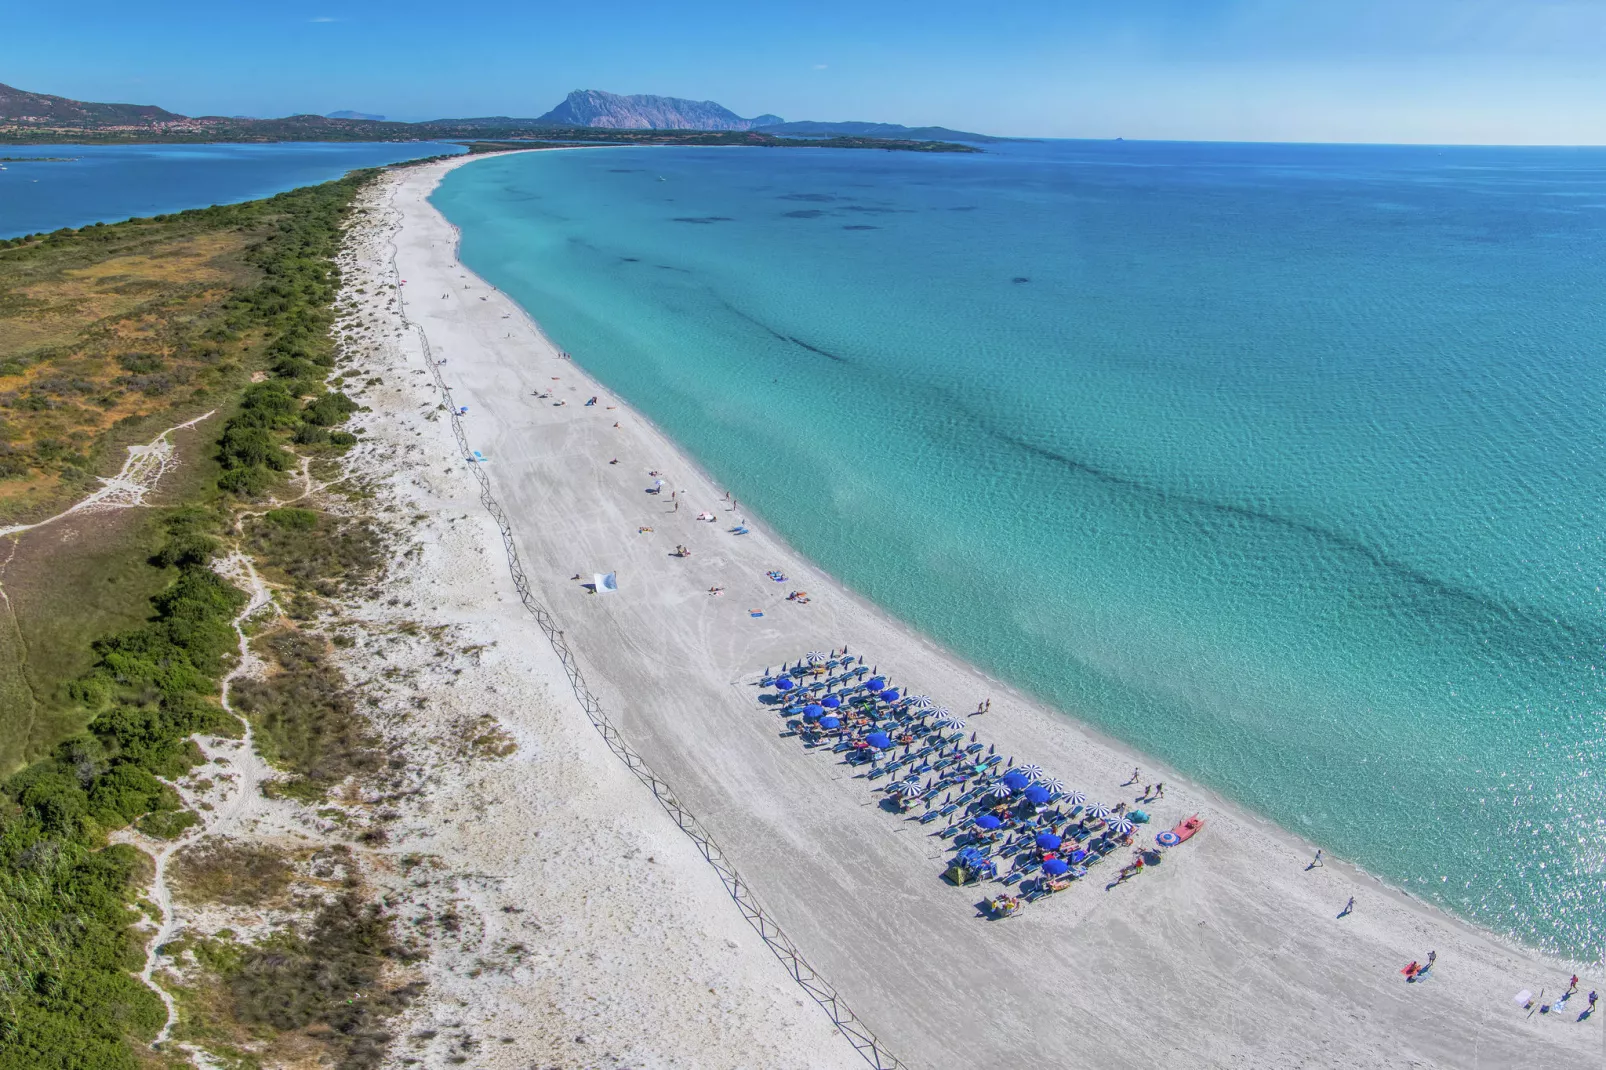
606, 583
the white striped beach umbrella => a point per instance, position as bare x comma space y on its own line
1002, 791
910, 789
1099, 810
950, 721
1033, 771
814, 657
1074, 798
1121, 826
1055, 785
923, 703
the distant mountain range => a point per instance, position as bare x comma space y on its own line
594, 108
38, 117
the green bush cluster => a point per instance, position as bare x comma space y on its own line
294, 305
69, 998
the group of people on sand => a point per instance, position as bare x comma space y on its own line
1002, 821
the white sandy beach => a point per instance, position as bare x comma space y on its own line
1227, 954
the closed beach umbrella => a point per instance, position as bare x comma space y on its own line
878, 740
875, 683
784, 684
1048, 841
1099, 810
1056, 867
1121, 826
988, 822
814, 657
1074, 798
1033, 771
889, 695
1016, 779
830, 722
830, 702
1037, 795
1002, 791
813, 710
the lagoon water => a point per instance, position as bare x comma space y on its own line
1286, 464
43, 187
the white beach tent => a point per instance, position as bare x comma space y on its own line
606, 583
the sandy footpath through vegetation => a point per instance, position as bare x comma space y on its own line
1230, 953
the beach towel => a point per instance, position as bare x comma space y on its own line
606, 582
1524, 998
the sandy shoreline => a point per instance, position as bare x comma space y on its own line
1227, 954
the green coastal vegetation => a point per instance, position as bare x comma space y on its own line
124, 330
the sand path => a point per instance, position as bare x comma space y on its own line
1228, 954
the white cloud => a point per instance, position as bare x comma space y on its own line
821, 66
323, 18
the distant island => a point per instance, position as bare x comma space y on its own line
586, 116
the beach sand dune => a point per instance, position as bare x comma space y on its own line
1227, 954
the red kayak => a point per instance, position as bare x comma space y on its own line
1186, 830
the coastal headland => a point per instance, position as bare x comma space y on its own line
1230, 952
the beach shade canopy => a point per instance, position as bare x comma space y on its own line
1048, 841
1056, 867
1055, 785
1016, 779
814, 657
988, 822
889, 695
1037, 795
830, 702
878, 740
1099, 810
784, 684
1121, 827
1033, 771
1002, 791
921, 702
875, 683
830, 722
813, 710
1074, 798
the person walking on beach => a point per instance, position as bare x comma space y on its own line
1573, 985
1349, 908
1317, 860
1148, 789
1135, 775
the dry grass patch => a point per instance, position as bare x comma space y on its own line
241, 874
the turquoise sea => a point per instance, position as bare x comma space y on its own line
1286, 464
44, 187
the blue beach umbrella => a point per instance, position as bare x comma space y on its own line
1037, 795
889, 695
830, 722
878, 740
813, 710
784, 684
875, 683
1048, 841
988, 822
1056, 867
1016, 780
830, 702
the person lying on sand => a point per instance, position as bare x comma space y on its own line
716, 590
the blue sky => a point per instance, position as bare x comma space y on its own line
1489, 71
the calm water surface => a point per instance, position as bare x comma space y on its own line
107, 183
1285, 463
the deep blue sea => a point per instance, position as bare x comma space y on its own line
1284, 463
108, 183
